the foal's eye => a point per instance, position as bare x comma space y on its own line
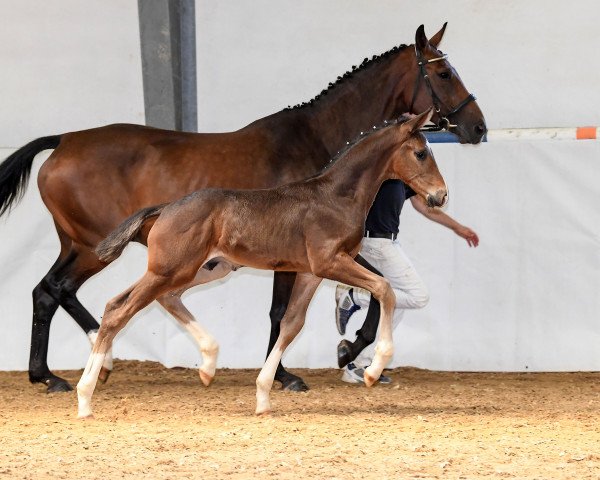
421, 155
444, 75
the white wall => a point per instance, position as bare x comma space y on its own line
67, 65
525, 299
530, 63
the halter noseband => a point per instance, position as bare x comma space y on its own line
444, 122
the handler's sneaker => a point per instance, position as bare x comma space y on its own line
346, 306
354, 374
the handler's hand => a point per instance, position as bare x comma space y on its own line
469, 235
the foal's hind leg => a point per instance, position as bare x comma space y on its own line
283, 282
292, 322
206, 342
118, 312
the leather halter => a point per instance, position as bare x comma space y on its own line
444, 122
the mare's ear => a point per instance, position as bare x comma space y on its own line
437, 38
421, 41
419, 121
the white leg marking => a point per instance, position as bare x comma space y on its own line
264, 381
108, 359
87, 384
384, 349
209, 349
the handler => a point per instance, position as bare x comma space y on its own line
382, 250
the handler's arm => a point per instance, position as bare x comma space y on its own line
446, 220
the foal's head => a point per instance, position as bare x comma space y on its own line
413, 162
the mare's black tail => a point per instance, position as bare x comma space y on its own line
112, 246
15, 170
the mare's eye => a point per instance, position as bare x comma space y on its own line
422, 155
444, 75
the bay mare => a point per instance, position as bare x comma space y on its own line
96, 178
312, 227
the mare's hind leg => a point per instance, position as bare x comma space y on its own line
116, 315
58, 287
44, 307
283, 283
207, 344
292, 322
84, 265
343, 268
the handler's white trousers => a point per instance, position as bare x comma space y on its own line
388, 257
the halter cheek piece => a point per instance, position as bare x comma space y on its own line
444, 122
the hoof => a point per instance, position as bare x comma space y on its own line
369, 380
295, 385
104, 374
344, 353
57, 385
263, 413
84, 418
206, 378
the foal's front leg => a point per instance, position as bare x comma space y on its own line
292, 322
283, 283
347, 351
343, 268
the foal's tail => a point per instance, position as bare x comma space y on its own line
112, 246
15, 170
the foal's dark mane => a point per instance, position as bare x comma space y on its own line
361, 136
366, 63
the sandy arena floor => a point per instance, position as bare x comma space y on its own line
160, 423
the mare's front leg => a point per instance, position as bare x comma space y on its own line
292, 322
343, 268
283, 282
347, 351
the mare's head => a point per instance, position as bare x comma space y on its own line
435, 83
414, 164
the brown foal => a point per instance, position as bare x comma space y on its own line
312, 227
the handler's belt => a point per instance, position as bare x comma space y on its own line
370, 234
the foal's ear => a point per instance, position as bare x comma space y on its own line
420, 38
416, 123
437, 38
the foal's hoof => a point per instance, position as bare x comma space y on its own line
57, 385
263, 413
85, 418
344, 353
206, 378
104, 374
369, 380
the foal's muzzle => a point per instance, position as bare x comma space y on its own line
438, 199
